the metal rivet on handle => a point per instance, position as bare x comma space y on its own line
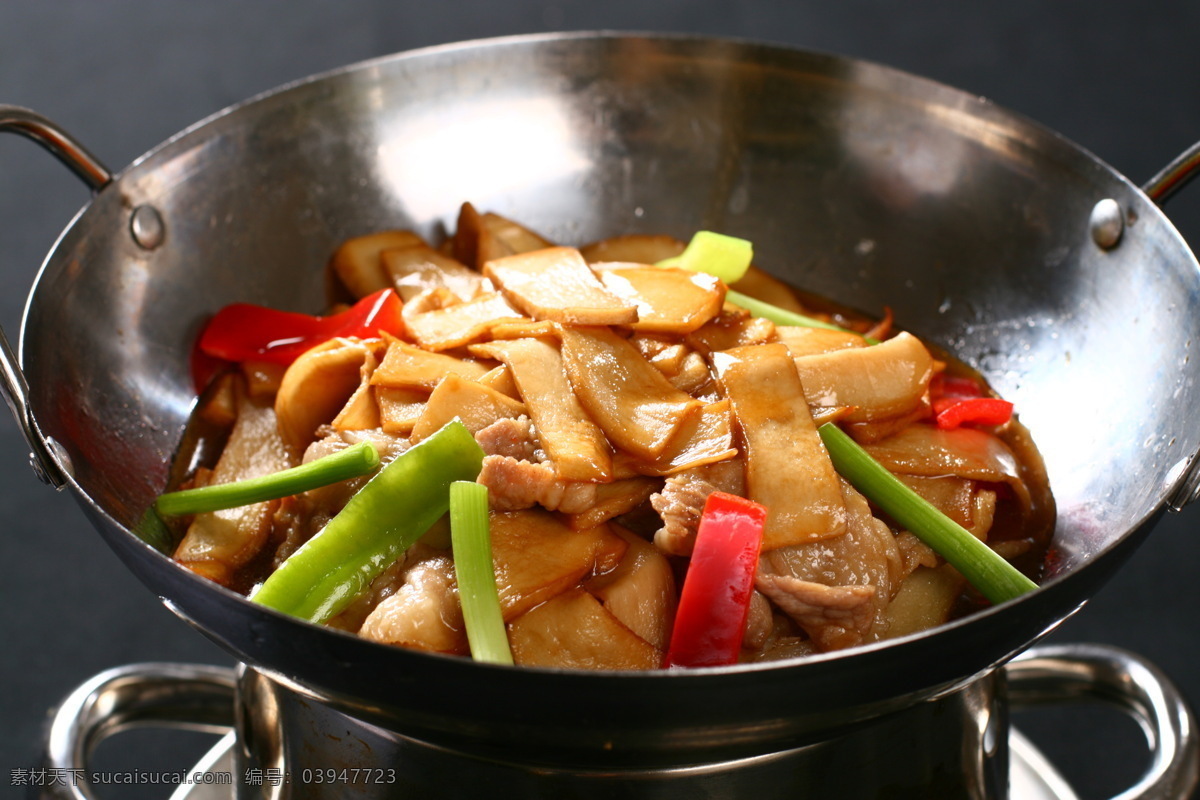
39, 470
147, 227
60, 455
1107, 223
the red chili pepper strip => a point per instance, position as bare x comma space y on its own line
245, 332
711, 620
952, 412
944, 385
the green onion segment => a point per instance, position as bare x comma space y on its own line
476, 573
352, 462
994, 577
380, 522
726, 257
781, 316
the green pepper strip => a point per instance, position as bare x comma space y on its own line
476, 573
374, 529
983, 567
351, 462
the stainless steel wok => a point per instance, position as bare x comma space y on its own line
1054, 275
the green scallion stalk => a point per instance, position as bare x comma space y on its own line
994, 577
476, 573
781, 316
352, 462
726, 257
153, 531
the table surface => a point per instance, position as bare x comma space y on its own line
1121, 79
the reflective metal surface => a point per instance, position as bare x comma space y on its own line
955, 746
1091, 673
951, 747
193, 696
854, 181
1031, 776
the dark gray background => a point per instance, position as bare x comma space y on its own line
1120, 78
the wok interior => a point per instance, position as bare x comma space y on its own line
874, 188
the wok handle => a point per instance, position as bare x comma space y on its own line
13, 119
191, 696
1174, 176
1053, 675
32, 125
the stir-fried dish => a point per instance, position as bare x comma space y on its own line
633, 454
